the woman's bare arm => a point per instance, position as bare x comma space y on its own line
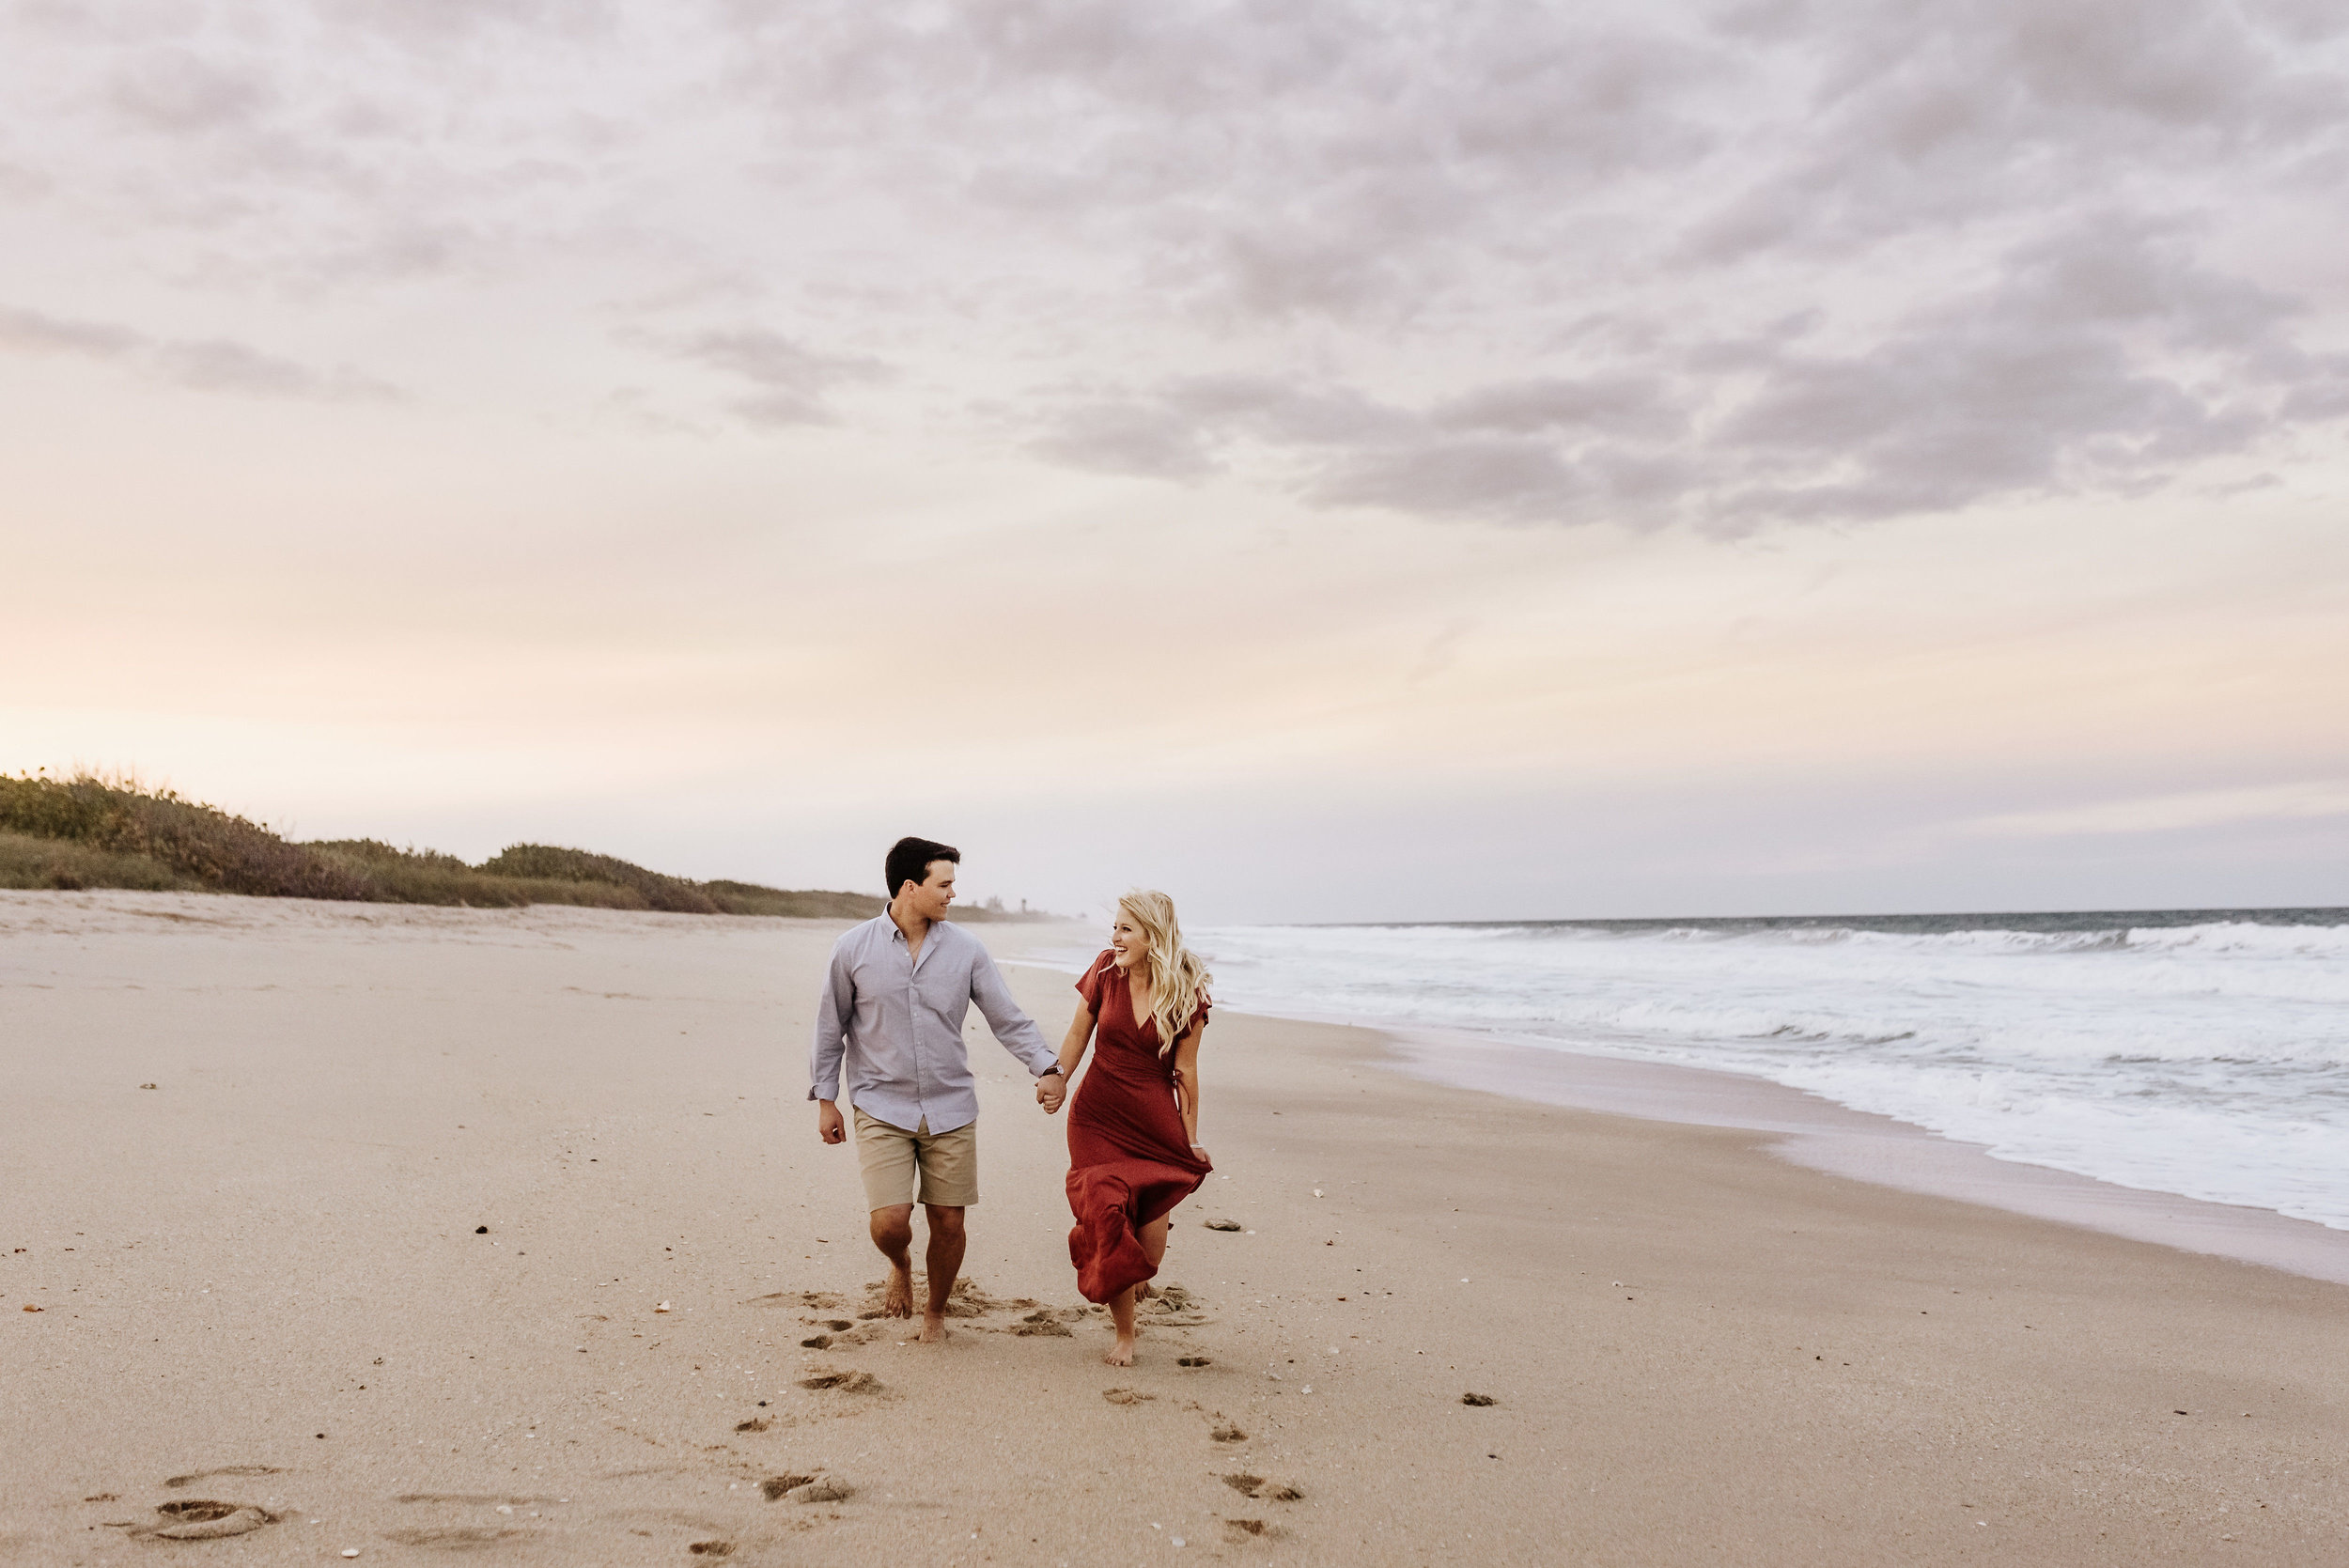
1072, 1053
1187, 1081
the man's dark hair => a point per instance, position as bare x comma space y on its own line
909, 861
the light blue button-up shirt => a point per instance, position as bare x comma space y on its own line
896, 1025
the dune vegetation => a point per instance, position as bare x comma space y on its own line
88, 831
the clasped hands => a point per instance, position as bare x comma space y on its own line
1051, 1089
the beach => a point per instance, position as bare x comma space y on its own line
421, 1232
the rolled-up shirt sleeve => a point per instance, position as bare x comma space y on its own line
832, 1011
1014, 1030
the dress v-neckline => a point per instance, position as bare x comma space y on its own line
1133, 1008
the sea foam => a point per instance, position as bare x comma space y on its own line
2208, 1058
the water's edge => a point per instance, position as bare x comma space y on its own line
1823, 1136
1820, 1134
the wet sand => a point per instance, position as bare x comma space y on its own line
1817, 1132
1695, 1350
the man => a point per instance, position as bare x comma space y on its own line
891, 1010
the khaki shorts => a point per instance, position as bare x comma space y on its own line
891, 1157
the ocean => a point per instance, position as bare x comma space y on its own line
2198, 1052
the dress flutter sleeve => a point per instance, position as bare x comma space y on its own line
1089, 983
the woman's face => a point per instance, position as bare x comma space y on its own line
1126, 942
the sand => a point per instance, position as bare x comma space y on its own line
266, 1283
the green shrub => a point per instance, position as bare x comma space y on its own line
88, 831
202, 843
749, 898
27, 861
546, 863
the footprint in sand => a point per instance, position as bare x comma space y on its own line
1046, 1323
1258, 1487
1125, 1396
1176, 1308
1225, 1432
845, 1382
813, 1300
1238, 1530
177, 1482
1192, 1361
756, 1423
965, 1300
806, 1489
711, 1548
1478, 1399
204, 1519
449, 1538
842, 1333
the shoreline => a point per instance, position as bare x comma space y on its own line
1825, 1135
411, 1232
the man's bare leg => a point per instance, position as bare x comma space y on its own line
945, 1261
892, 1233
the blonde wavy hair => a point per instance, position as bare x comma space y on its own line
1178, 981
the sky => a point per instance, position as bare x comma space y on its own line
1329, 461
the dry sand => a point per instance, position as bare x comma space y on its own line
263, 1282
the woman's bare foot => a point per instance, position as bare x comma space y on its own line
1146, 1290
1122, 1317
897, 1295
933, 1328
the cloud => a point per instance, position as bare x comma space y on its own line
791, 381
214, 365
29, 332
1939, 116
2207, 808
1624, 403
1256, 161
220, 365
178, 91
2104, 359
1134, 436
1717, 265
2100, 360
437, 23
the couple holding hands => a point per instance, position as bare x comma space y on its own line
890, 1019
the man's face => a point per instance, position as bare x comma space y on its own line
928, 899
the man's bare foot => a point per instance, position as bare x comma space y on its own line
1146, 1290
933, 1328
1122, 1353
897, 1295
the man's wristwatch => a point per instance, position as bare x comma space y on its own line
1054, 1068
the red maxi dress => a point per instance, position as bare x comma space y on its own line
1130, 1160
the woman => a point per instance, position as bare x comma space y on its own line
1133, 1130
